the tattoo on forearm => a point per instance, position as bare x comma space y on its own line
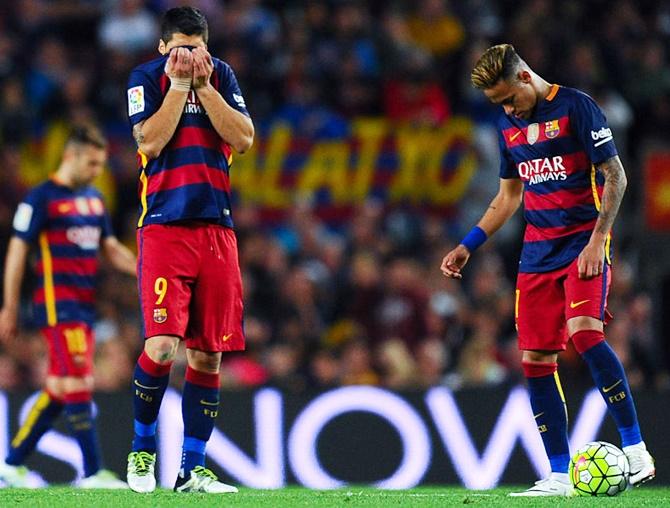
137, 134
615, 186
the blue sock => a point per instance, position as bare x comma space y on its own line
200, 403
79, 413
40, 419
149, 383
551, 416
610, 378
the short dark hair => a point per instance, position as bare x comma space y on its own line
86, 134
185, 20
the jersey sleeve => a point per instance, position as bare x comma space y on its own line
31, 216
230, 89
507, 166
105, 221
590, 127
143, 96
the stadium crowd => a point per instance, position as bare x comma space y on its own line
364, 302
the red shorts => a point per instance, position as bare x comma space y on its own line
545, 301
190, 284
71, 348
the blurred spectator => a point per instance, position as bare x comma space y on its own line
129, 27
414, 97
396, 364
357, 368
435, 28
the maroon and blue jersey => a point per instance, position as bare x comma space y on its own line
190, 178
67, 226
554, 153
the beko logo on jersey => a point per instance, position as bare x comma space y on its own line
239, 100
542, 170
604, 135
87, 237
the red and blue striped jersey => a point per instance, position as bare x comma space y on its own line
190, 178
554, 153
67, 226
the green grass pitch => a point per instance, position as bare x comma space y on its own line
62, 497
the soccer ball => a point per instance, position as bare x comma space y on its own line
599, 469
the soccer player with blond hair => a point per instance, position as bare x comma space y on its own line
558, 157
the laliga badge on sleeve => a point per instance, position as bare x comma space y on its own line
22, 217
160, 315
135, 100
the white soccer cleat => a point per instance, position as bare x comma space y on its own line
103, 479
203, 480
553, 486
14, 476
141, 476
642, 468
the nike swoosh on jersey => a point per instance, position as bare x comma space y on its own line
538, 415
577, 304
227, 336
514, 136
146, 387
208, 403
608, 388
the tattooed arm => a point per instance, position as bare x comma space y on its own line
591, 260
503, 206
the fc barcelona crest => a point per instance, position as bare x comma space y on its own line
533, 133
160, 315
551, 129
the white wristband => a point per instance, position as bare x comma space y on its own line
180, 84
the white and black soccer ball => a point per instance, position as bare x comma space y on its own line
599, 469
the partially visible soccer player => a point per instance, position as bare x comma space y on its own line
186, 112
65, 219
559, 157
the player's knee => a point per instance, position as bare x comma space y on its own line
580, 323
539, 357
162, 349
204, 361
77, 384
54, 386
583, 340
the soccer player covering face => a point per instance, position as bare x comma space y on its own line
187, 115
559, 158
65, 221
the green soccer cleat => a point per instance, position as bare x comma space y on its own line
14, 476
141, 476
202, 480
103, 479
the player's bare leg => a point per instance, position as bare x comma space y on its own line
610, 378
149, 383
200, 402
548, 403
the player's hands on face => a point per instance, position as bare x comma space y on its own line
179, 64
591, 260
8, 320
454, 261
202, 67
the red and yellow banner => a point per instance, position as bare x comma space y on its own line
657, 191
421, 166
